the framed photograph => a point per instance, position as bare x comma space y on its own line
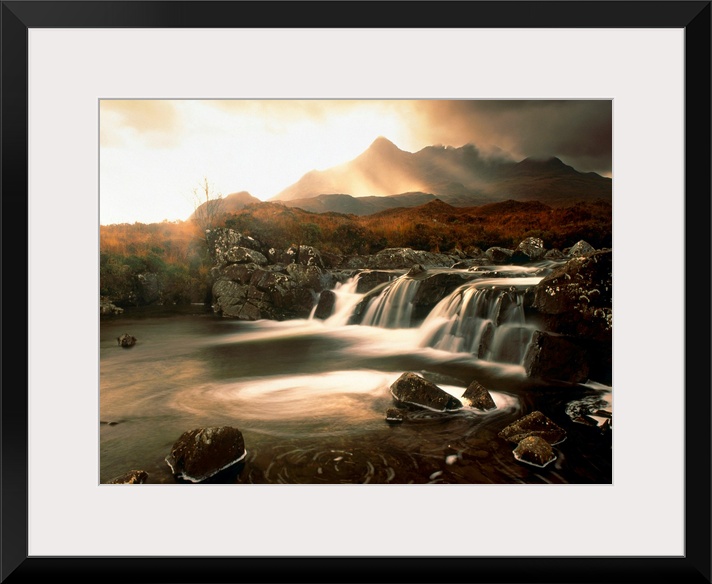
369, 295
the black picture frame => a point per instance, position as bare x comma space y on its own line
693, 16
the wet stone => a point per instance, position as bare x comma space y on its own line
126, 340
534, 450
394, 416
479, 397
325, 306
202, 453
413, 389
534, 424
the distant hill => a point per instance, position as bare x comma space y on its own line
232, 203
359, 205
458, 176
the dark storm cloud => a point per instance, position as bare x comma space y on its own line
577, 131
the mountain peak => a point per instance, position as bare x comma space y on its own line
382, 143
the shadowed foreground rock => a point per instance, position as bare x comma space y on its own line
534, 450
132, 477
479, 397
534, 424
415, 390
202, 453
556, 357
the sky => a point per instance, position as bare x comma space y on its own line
153, 154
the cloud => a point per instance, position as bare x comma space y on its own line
577, 131
157, 123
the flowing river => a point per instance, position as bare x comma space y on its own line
310, 395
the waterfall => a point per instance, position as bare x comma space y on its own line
394, 306
482, 319
346, 299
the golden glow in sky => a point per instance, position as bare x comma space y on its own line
154, 153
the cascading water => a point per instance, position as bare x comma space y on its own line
481, 318
394, 306
346, 298
484, 317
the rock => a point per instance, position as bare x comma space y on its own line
269, 294
221, 240
415, 390
126, 340
243, 255
474, 252
457, 254
325, 306
586, 406
530, 249
499, 255
534, 450
394, 416
432, 289
238, 273
556, 358
479, 397
369, 279
576, 298
107, 307
581, 248
132, 477
554, 254
471, 263
486, 338
534, 424
306, 276
406, 257
416, 270
331, 260
202, 453
302, 254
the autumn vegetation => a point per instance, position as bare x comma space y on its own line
176, 251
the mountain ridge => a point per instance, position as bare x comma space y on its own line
460, 176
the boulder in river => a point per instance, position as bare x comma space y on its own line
534, 450
415, 390
126, 340
202, 453
556, 357
478, 396
500, 255
529, 250
325, 306
394, 416
534, 424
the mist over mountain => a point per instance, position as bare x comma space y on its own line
461, 176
